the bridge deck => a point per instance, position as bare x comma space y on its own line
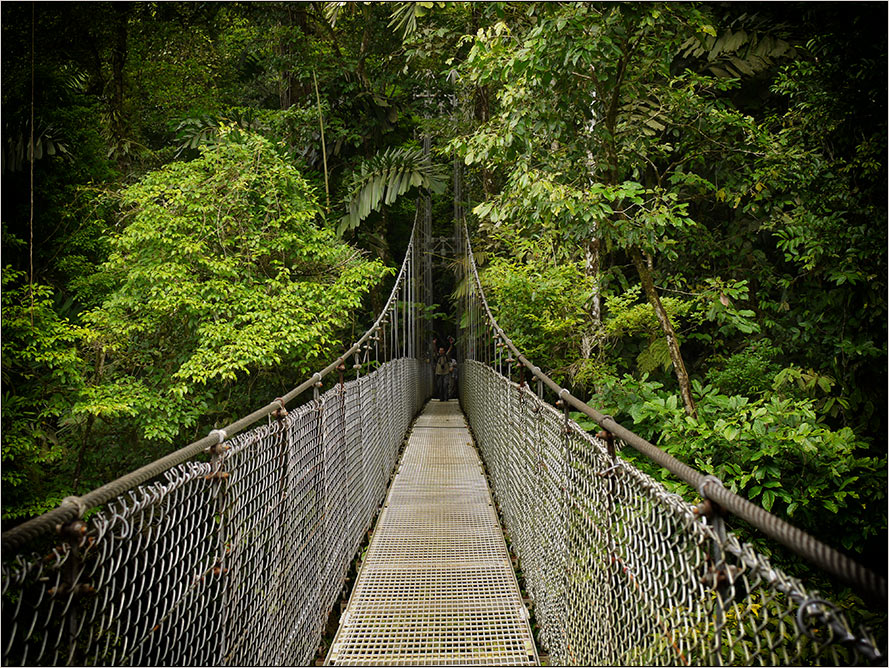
436, 586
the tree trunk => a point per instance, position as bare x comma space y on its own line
667, 327
363, 49
483, 114
122, 12
282, 51
591, 263
482, 110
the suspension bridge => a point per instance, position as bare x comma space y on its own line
236, 549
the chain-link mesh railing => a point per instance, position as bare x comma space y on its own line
621, 571
236, 561
236, 556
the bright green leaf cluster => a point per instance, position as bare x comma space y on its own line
222, 271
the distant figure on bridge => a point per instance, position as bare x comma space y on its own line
442, 368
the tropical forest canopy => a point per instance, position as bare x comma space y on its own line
680, 213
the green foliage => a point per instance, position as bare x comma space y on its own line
42, 369
405, 15
221, 272
628, 316
385, 177
748, 45
17, 146
777, 452
541, 306
750, 372
713, 313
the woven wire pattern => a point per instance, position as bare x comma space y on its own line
237, 561
436, 586
622, 572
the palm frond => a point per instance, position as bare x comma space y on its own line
384, 178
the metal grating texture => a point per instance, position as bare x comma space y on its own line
236, 561
437, 585
622, 572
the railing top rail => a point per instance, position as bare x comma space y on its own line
871, 586
74, 507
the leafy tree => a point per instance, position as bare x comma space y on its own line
650, 136
541, 305
222, 271
42, 371
588, 96
775, 451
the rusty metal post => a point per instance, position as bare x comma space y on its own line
613, 559
73, 533
719, 574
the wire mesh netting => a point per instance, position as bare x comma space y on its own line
622, 572
235, 561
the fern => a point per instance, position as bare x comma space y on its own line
657, 354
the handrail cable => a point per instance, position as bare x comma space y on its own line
74, 507
870, 585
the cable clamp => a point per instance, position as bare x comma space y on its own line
706, 481
77, 502
220, 434
280, 412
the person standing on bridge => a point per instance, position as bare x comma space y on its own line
442, 368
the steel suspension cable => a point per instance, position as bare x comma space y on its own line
870, 585
74, 507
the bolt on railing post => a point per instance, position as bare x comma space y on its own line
73, 534
612, 566
376, 340
316, 389
720, 573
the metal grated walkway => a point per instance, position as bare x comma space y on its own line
436, 586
